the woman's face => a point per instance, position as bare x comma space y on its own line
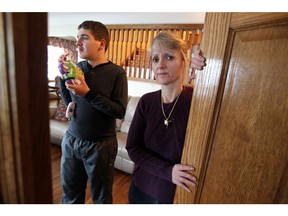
167, 65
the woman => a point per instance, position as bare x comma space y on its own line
157, 132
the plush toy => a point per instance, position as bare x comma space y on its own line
70, 110
69, 69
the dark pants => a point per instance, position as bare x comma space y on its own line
136, 196
84, 160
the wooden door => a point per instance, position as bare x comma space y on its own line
237, 136
25, 148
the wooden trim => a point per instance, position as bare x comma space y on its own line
217, 44
196, 148
129, 45
9, 183
25, 145
241, 20
157, 26
142, 80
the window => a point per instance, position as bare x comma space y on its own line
53, 55
56, 47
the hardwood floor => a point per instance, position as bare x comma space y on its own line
120, 186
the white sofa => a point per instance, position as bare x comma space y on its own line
123, 162
59, 126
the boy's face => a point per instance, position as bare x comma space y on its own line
88, 47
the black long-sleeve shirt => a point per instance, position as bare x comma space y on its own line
95, 114
154, 148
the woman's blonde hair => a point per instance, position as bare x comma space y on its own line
171, 41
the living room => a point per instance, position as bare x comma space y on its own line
39, 94
31, 155
61, 30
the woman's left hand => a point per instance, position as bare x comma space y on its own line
181, 176
198, 60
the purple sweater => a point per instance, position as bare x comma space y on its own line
154, 148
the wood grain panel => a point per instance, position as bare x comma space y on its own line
251, 141
200, 118
26, 144
237, 135
240, 20
8, 170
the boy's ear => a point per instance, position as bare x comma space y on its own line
102, 44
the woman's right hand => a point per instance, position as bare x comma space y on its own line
181, 176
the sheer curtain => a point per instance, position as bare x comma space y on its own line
68, 45
56, 47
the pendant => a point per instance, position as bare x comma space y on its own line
166, 122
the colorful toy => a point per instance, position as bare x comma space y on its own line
69, 69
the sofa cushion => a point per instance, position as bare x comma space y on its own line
118, 124
120, 121
132, 104
123, 161
57, 130
122, 139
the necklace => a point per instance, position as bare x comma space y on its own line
166, 119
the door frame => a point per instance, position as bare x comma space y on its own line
209, 85
25, 149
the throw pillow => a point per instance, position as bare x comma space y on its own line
60, 112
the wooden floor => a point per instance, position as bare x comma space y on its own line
120, 186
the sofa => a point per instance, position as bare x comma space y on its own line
59, 125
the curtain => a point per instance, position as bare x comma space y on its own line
68, 45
